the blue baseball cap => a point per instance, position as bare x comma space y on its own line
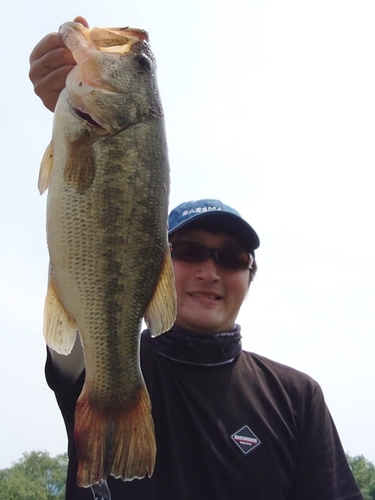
216, 212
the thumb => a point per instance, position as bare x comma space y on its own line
82, 20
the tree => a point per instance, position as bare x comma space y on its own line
36, 476
364, 472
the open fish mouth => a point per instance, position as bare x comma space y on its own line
116, 39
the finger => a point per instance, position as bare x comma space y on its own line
50, 100
50, 87
54, 80
50, 61
46, 44
82, 20
52, 41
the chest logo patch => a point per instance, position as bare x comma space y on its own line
246, 440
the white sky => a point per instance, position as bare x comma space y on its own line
270, 106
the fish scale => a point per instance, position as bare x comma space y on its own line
110, 265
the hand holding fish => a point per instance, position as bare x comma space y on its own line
50, 63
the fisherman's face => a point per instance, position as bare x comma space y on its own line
209, 296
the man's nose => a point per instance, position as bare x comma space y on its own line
207, 270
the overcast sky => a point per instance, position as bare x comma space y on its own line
270, 107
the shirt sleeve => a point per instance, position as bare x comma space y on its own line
322, 470
66, 394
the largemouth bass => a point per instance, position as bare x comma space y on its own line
107, 175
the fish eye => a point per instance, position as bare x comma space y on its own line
143, 61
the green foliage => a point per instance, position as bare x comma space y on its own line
36, 476
364, 472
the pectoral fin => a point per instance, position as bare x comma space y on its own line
45, 169
161, 311
59, 329
80, 164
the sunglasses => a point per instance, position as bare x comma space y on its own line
228, 257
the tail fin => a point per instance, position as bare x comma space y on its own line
118, 441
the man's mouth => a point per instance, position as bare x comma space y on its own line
204, 295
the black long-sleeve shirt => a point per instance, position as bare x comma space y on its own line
229, 424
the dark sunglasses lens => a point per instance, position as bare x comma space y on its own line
233, 258
189, 251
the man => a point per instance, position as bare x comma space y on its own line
229, 424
